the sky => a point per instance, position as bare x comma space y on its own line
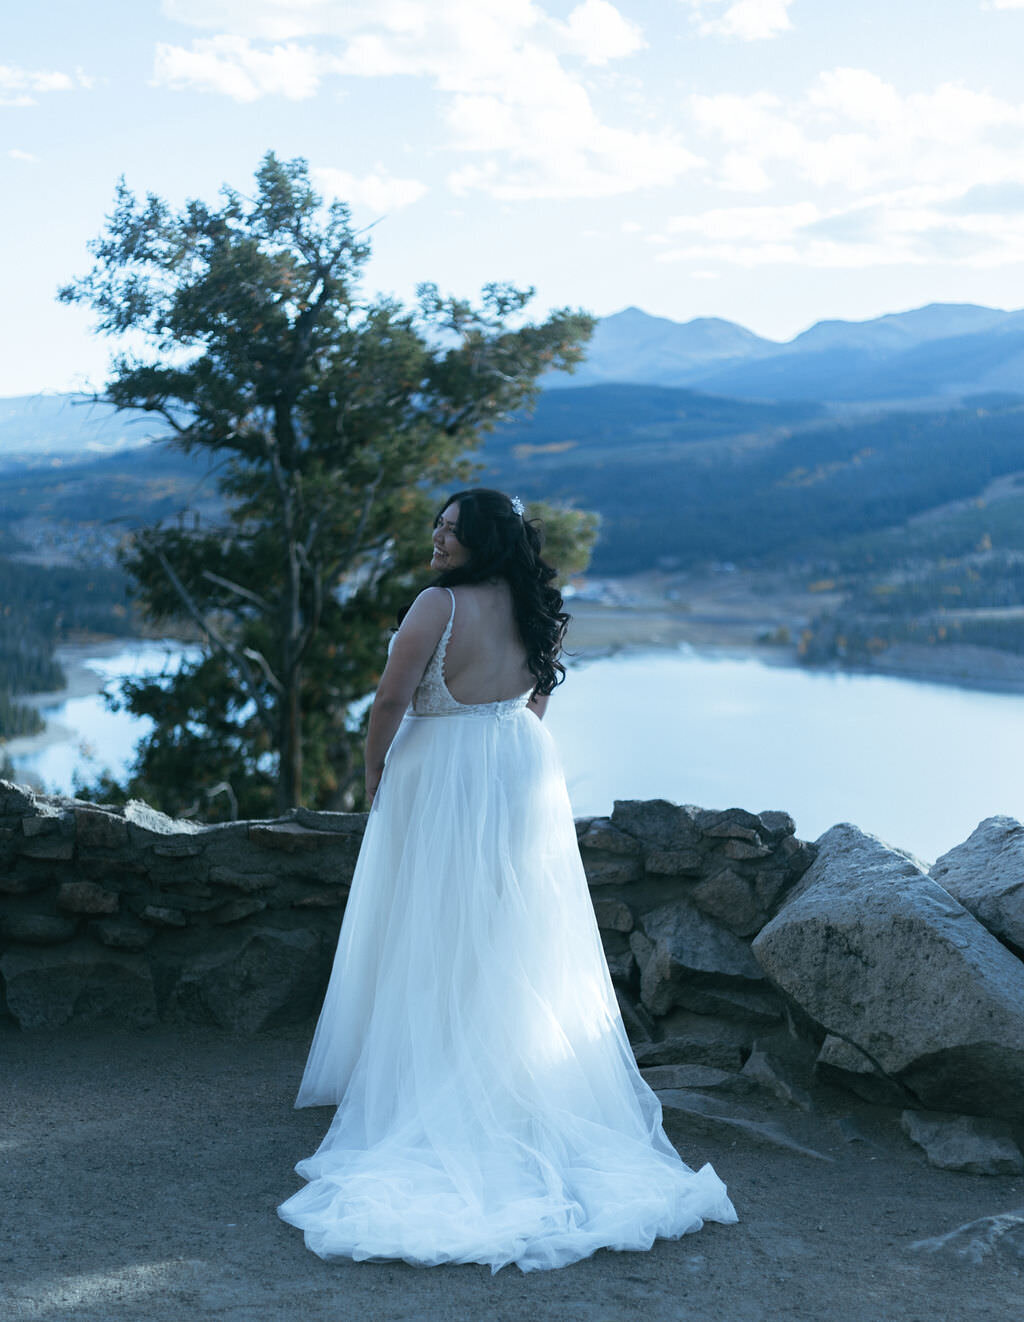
773, 162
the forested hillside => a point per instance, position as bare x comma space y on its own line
722, 481
893, 508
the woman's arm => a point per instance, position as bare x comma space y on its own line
414, 644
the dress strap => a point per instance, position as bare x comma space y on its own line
443, 645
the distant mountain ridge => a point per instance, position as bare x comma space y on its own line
941, 352
936, 356
52, 424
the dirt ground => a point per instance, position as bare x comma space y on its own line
139, 1174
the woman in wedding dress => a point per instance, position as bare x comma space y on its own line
490, 1108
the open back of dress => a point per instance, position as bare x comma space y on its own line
489, 1105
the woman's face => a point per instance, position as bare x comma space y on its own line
449, 553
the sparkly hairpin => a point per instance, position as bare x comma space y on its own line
517, 505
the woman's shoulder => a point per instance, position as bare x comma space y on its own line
432, 600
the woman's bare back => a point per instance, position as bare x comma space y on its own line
485, 660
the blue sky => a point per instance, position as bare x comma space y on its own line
774, 162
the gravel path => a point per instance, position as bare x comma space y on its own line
139, 1174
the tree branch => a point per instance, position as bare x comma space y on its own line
254, 597
216, 638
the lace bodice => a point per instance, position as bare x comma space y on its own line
432, 697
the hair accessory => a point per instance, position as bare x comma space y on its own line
517, 505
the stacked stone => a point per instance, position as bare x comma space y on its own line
126, 916
742, 957
678, 892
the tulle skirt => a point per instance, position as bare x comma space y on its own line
490, 1108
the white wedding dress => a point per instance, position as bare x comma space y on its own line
490, 1108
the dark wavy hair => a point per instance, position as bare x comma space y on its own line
504, 544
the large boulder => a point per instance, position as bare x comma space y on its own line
986, 874
253, 982
82, 982
876, 952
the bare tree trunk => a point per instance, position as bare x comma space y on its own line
290, 742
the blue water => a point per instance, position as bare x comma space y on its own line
918, 764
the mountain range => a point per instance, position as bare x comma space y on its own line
935, 355
938, 356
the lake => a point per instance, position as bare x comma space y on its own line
918, 764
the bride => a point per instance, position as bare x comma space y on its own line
490, 1108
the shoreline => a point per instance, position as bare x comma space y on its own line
599, 631
82, 682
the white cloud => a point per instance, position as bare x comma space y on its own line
18, 87
894, 230
378, 191
17, 155
750, 20
233, 67
886, 177
597, 31
510, 98
1004, 4
853, 131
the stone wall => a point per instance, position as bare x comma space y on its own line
128, 917
742, 956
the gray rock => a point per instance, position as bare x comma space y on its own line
332, 899
613, 915
637, 1022
259, 980
86, 897
999, 1236
986, 874
15, 800
243, 881
727, 823
122, 933
159, 915
678, 941
696, 1039
37, 929
190, 847
876, 952
81, 983
601, 834
46, 819
24, 882
95, 829
769, 884
964, 1143
755, 1007
846, 1066
658, 823
744, 850
235, 910
777, 1074
51, 848
776, 824
691, 1076
347, 823
729, 898
621, 965
674, 862
611, 870
146, 826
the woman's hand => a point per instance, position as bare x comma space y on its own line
372, 784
